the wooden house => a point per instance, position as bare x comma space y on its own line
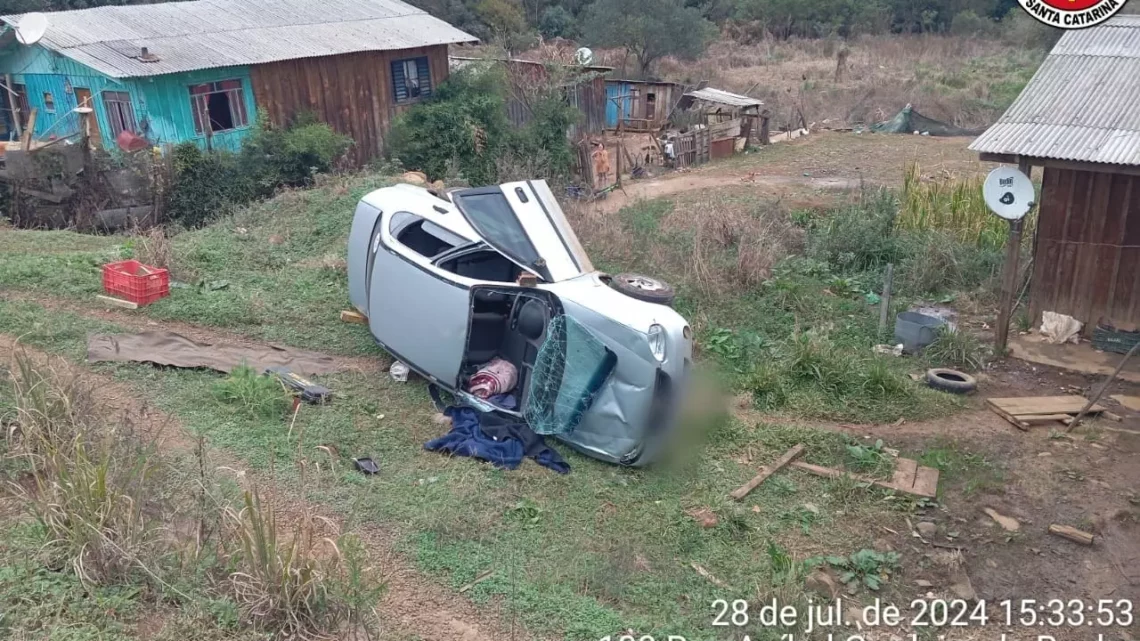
205, 70
640, 105
1079, 119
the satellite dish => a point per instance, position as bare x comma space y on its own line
584, 56
31, 27
1009, 193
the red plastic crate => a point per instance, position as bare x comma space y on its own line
136, 282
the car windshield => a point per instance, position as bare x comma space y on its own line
491, 215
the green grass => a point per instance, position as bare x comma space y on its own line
963, 468
283, 260
577, 556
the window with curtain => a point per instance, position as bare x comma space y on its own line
411, 79
218, 106
120, 112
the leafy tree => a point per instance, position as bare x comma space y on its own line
557, 22
649, 29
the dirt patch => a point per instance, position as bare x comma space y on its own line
412, 606
814, 170
135, 321
1087, 480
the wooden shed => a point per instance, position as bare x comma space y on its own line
640, 105
1079, 119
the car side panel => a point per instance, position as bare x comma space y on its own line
417, 316
359, 245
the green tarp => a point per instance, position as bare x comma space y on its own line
909, 121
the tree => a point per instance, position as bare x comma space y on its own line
649, 29
557, 22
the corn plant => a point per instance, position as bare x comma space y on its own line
955, 205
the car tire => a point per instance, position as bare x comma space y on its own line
951, 380
650, 290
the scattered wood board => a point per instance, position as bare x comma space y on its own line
909, 477
117, 302
1129, 402
767, 471
1071, 533
1026, 411
348, 316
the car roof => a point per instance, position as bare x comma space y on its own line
423, 203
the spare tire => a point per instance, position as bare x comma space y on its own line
650, 290
951, 380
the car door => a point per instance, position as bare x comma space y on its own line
416, 311
524, 222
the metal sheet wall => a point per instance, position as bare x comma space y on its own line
1087, 255
353, 93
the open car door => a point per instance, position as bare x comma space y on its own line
524, 222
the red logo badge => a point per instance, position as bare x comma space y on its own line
1072, 14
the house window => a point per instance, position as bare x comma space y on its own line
411, 79
120, 113
218, 106
49, 102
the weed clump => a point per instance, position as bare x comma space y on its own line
957, 349
255, 395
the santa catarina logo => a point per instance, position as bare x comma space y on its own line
1072, 14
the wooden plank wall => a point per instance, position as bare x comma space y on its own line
1087, 257
352, 92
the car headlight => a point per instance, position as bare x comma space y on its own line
657, 342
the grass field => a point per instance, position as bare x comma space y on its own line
779, 317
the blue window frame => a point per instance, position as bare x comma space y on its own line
411, 79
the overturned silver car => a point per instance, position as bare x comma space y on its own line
451, 281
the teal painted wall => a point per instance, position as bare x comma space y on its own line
161, 103
166, 101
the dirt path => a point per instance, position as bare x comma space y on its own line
138, 322
676, 183
413, 606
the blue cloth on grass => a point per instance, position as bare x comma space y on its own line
498, 440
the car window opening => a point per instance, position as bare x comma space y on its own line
482, 264
491, 215
423, 236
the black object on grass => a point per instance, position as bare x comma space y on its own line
366, 466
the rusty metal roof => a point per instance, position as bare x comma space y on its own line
719, 96
1083, 104
204, 34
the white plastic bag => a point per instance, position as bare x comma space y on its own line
399, 372
1060, 328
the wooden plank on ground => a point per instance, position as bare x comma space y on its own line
1129, 402
1045, 418
923, 482
1071, 533
1021, 425
767, 471
117, 302
349, 316
1037, 405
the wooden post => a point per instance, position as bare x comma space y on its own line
764, 137
14, 102
885, 302
1010, 272
617, 175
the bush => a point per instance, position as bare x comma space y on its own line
464, 125
557, 22
859, 237
967, 24
205, 184
937, 262
255, 395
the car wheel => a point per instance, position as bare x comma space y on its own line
951, 380
650, 290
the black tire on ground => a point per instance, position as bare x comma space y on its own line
650, 290
951, 380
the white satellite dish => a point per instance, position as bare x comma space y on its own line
1009, 193
584, 56
31, 27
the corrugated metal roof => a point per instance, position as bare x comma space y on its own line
205, 34
722, 97
1083, 103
